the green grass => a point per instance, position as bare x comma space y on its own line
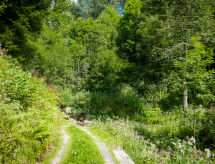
106, 137
103, 136
112, 134
82, 149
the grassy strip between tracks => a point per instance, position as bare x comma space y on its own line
82, 149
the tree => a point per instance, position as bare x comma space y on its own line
73, 53
104, 73
54, 57
192, 71
94, 8
155, 33
65, 7
128, 31
21, 22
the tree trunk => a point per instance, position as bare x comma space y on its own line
185, 102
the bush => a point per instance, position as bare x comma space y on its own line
207, 133
29, 116
122, 100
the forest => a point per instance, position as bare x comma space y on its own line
144, 70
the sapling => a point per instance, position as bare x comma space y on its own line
192, 69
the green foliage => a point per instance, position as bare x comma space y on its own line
123, 100
192, 68
95, 8
154, 34
20, 23
105, 72
136, 62
192, 73
85, 45
208, 122
129, 25
157, 48
29, 117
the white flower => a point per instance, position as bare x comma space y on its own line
182, 151
208, 153
180, 145
192, 139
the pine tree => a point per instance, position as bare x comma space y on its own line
21, 22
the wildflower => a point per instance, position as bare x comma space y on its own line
137, 137
169, 148
180, 145
198, 152
162, 152
208, 153
192, 139
201, 159
190, 143
182, 151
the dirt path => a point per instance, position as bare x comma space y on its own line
120, 155
59, 155
104, 150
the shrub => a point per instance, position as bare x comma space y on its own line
29, 116
122, 100
207, 133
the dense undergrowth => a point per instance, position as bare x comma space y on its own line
149, 106
124, 99
156, 141
29, 115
